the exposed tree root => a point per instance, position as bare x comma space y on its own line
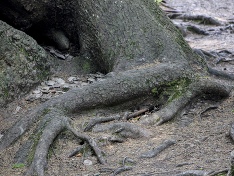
154, 152
124, 86
96, 121
201, 18
91, 143
135, 114
53, 126
193, 173
206, 55
220, 73
217, 173
53, 123
123, 129
231, 132
207, 109
231, 170
194, 90
76, 151
121, 169
128, 116
196, 30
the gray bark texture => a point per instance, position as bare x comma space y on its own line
135, 40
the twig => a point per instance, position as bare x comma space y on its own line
183, 164
96, 121
121, 169
218, 172
152, 153
126, 159
192, 172
91, 142
207, 109
135, 114
76, 151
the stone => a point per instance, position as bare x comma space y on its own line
50, 83
17, 109
59, 80
72, 79
87, 162
36, 92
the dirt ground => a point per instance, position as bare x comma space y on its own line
200, 131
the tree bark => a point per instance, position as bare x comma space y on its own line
135, 40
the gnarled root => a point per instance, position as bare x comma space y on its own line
122, 87
52, 129
52, 124
204, 86
123, 129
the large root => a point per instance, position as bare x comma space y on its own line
53, 123
53, 127
196, 89
123, 86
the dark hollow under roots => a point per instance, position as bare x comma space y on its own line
54, 118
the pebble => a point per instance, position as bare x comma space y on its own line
17, 109
88, 162
59, 80
91, 80
72, 79
50, 83
47, 88
36, 92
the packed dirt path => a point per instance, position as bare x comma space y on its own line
200, 131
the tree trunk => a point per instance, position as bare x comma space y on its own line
135, 40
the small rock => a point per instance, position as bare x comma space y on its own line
46, 88
30, 98
66, 87
88, 162
84, 84
91, 80
17, 109
56, 86
71, 79
37, 96
50, 83
36, 92
59, 80
76, 82
1, 136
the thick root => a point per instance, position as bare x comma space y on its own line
52, 129
206, 86
122, 87
51, 126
